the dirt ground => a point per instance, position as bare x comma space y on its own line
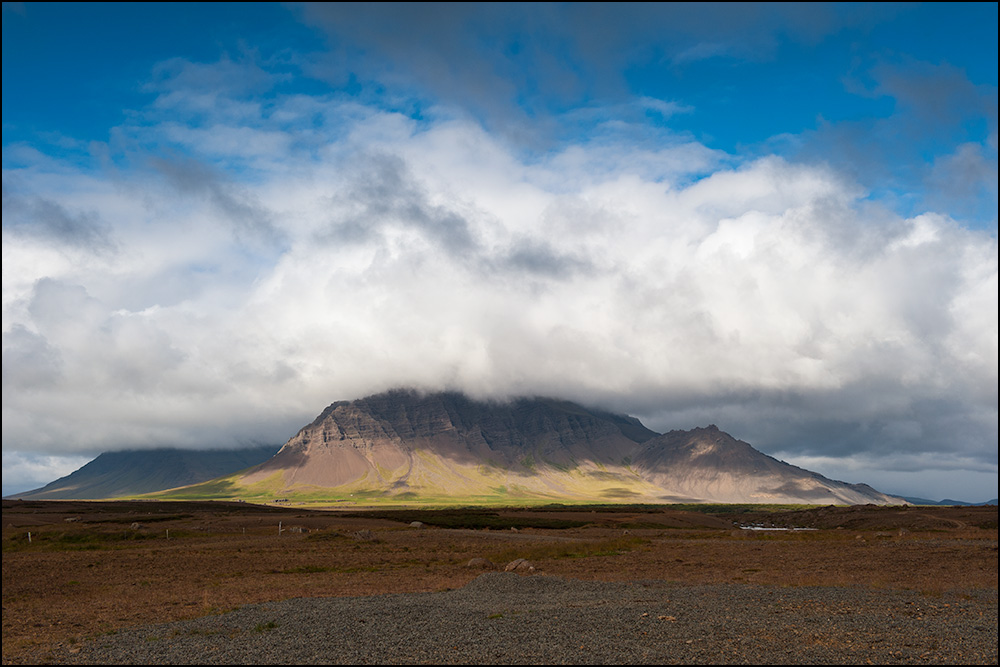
92, 567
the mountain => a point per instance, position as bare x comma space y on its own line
445, 446
128, 473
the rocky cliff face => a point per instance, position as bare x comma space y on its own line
446, 445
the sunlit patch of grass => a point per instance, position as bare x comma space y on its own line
229, 487
223, 487
618, 492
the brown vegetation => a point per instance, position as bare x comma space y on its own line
91, 568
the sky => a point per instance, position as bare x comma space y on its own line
778, 218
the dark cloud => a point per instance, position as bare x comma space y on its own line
449, 50
935, 96
512, 63
540, 258
383, 194
937, 110
844, 424
919, 427
250, 220
965, 182
44, 218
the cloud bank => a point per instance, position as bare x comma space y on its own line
175, 305
653, 210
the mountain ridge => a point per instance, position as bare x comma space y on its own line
405, 444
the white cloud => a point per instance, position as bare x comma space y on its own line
767, 294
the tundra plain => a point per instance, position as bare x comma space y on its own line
94, 568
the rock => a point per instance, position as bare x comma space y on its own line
416, 524
365, 536
481, 564
519, 565
136, 526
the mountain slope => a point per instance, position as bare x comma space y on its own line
711, 464
133, 472
445, 446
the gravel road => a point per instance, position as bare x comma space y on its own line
506, 618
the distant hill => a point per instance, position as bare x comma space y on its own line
133, 472
946, 502
406, 446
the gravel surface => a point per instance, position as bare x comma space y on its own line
505, 618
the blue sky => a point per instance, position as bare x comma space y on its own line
780, 218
